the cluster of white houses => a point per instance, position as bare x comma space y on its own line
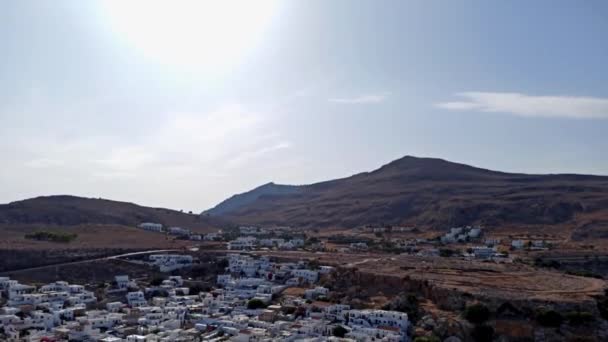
252, 242
461, 234
179, 232
170, 312
171, 262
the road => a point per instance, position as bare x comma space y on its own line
111, 257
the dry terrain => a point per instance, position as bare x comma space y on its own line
433, 194
73, 211
442, 276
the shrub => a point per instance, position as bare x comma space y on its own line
477, 313
196, 289
549, 318
602, 306
446, 253
427, 339
51, 236
482, 333
579, 317
156, 281
407, 303
254, 304
339, 331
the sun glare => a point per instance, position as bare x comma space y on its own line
189, 33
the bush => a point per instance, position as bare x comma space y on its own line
477, 313
196, 289
549, 318
446, 253
407, 303
156, 281
579, 317
427, 339
482, 333
254, 304
51, 236
602, 306
339, 331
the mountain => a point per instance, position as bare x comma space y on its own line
238, 201
429, 192
66, 210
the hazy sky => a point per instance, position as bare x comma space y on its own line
183, 105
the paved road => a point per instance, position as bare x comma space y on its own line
118, 256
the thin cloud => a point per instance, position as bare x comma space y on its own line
362, 99
43, 163
575, 107
246, 157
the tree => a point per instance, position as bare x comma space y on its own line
579, 317
446, 253
255, 304
196, 289
339, 331
482, 333
156, 281
549, 318
477, 313
427, 339
407, 303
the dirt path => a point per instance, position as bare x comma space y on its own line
118, 256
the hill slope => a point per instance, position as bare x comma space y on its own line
434, 193
71, 210
238, 201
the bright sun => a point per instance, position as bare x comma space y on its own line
189, 33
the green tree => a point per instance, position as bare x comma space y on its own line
427, 339
549, 318
482, 333
156, 281
579, 317
477, 313
339, 331
255, 303
446, 253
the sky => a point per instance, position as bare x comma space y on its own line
181, 104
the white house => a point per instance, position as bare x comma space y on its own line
170, 262
242, 242
474, 232
136, 299
517, 244
358, 245
308, 276
154, 227
316, 292
178, 231
122, 282
378, 318
483, 252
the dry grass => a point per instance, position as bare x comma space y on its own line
89, 237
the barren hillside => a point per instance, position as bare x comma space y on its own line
435, 193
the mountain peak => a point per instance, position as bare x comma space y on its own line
429, 167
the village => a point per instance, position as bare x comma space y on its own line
247, 304
270, 284
467, 242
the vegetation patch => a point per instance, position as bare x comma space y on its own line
477, 313
549, 318
254, 304
579, 317
482, 333
52, 236
339, 331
